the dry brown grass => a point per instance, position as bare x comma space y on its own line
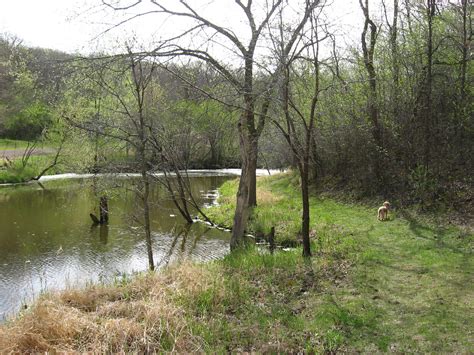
266, 197
143, 315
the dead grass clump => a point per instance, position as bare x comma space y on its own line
49, 325
266, 197
168, 329
89, 299
122, 309
146, 314
119, 335
188, 279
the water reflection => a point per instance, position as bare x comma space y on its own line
47, 241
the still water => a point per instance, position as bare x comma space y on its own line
47, 240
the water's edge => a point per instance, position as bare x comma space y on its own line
191, 173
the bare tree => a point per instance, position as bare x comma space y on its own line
142, 74
368, 50
255, 101
300, 91
125, 82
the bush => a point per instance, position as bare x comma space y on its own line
29, 123
425, 189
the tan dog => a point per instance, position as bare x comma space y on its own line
382, 213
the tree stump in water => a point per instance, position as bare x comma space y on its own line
103, 212
271, 240
94, 218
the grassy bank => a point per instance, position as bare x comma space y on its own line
400, 285
17, 173
11, 144
12, 169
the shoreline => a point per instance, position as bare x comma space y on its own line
191, 173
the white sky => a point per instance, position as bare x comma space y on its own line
73, 25
45, 23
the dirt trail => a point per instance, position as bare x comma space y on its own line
17, 153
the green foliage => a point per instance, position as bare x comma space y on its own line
29, 88
17, 173
213, 128
424, 186
11, 144
29, 123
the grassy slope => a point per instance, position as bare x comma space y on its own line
11, 144
399, 286
16, 173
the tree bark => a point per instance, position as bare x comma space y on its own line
104, 210
394, 48
428, 112
368, 53
242, 206
146, 215
465, 47
140, 88
305, 215
252, 170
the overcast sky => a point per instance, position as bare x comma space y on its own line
73, 25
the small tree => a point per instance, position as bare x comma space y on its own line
254, 99
300, 89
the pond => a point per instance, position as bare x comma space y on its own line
47, 240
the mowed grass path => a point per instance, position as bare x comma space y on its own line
410, 286
417, 280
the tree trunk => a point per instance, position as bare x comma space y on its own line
271, 240
394, 49
428, 112
305, 215
146, 214
247, 192
104, 210
242, 205
465, 48
252, 171
368, 52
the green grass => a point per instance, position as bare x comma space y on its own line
17, 173
11, 144
401, 286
